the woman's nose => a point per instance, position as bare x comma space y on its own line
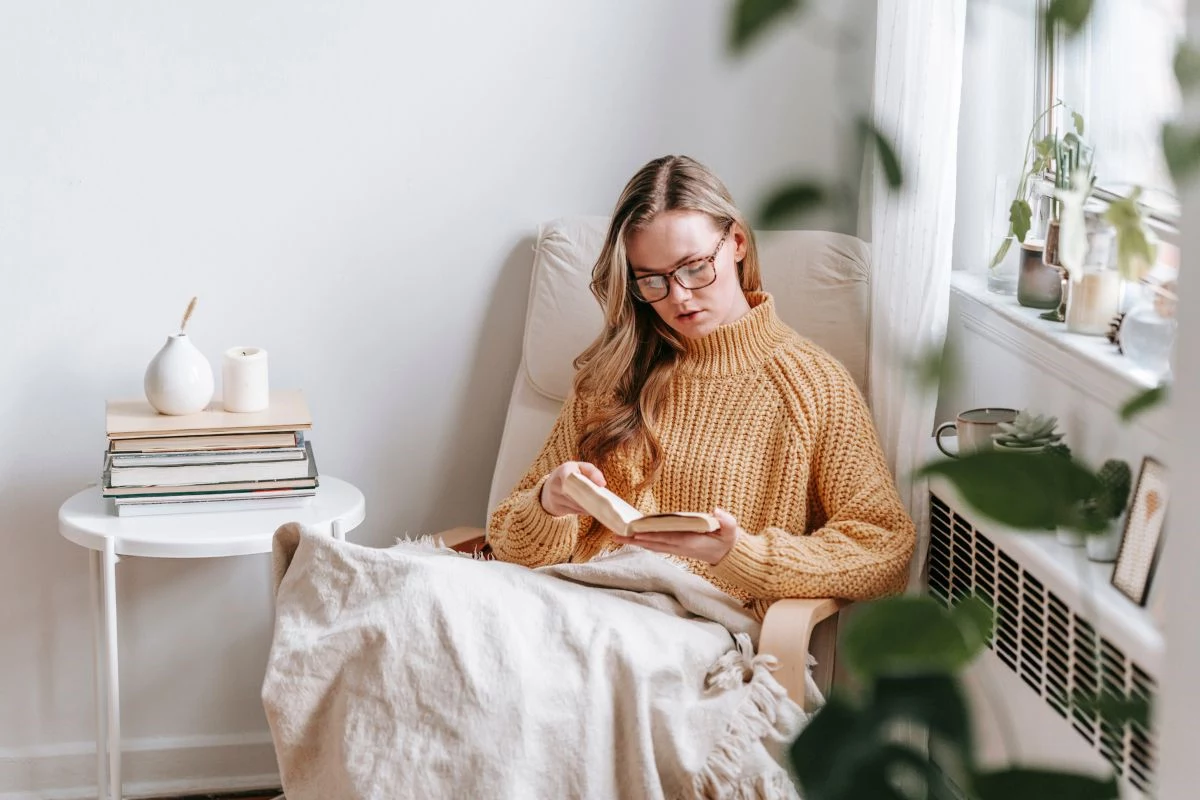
684, 293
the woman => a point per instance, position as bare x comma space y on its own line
695, 396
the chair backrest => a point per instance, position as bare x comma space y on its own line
820, 282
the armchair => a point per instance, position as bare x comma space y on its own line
820, 284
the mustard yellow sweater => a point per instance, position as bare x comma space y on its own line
768, 426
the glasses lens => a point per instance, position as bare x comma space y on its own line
651, 288
697, 275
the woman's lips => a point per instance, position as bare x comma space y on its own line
688, 316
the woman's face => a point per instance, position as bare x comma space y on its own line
691, 243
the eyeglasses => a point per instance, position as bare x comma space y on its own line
692, 275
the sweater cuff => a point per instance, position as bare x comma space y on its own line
532, 523
747, 565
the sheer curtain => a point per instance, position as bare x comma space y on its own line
918, 78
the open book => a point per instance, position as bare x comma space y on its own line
625, 520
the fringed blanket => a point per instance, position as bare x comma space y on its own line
417, 672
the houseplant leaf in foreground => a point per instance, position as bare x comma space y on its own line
892, 170
1034, 784
1143, 401
792, 200
844, 754
908, 635
1027, 491
752, 18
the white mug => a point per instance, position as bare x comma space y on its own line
975, 428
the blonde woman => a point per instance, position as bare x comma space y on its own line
696, 397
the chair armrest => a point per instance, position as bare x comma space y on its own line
787, 634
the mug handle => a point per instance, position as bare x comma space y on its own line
938, 438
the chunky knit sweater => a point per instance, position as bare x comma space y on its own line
766, 425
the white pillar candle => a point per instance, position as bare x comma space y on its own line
244, 379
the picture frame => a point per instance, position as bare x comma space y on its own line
1141, 540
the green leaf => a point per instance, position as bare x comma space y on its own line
1030, 491
1020, 216
1001, 252
936, 368
752, 18
1077, 118
1181, 147
843, 754
1036, 784
1135, 253
831, 737
1143, 401
934, 701
906, 636
974, 618
1116, 711
887, 154
1187, 65
1072, 15
792, 200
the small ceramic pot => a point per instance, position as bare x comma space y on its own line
1103, 547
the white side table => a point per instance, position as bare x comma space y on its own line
89, 520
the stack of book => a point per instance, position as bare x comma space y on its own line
214, 460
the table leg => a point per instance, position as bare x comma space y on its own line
113, 677
99, 656
335, 528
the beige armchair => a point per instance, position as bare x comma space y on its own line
820, 284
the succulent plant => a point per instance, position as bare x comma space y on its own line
1028, 431
1115, 479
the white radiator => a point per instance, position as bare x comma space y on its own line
1060, 629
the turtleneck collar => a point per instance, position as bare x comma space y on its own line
739, 346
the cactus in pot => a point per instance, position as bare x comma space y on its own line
1105, 507
1028, 433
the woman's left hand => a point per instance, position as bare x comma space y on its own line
707, 547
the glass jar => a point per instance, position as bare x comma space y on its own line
1148, 331
1094, 296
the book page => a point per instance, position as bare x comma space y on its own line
612, 512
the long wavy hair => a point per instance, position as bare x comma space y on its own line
628, 369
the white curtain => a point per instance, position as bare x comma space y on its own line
918, 77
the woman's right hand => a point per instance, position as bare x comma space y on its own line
554, 499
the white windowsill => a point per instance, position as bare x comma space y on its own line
1090, 364
1096, 350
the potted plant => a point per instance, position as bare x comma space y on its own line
1106, 507
1038, 286
1028, 433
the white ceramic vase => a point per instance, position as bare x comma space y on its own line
179, 380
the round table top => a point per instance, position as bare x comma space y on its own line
89, 520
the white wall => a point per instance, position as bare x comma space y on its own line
353, 187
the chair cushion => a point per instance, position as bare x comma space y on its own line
820, 282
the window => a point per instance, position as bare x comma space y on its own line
1118, 73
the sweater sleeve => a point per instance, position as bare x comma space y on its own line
863, 548
520, 530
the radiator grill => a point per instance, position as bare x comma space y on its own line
1049, 644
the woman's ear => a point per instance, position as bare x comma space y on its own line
739, 242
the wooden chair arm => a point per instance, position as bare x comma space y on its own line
788, 634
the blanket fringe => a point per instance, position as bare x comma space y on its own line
757, 718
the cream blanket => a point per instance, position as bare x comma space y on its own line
418, 672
